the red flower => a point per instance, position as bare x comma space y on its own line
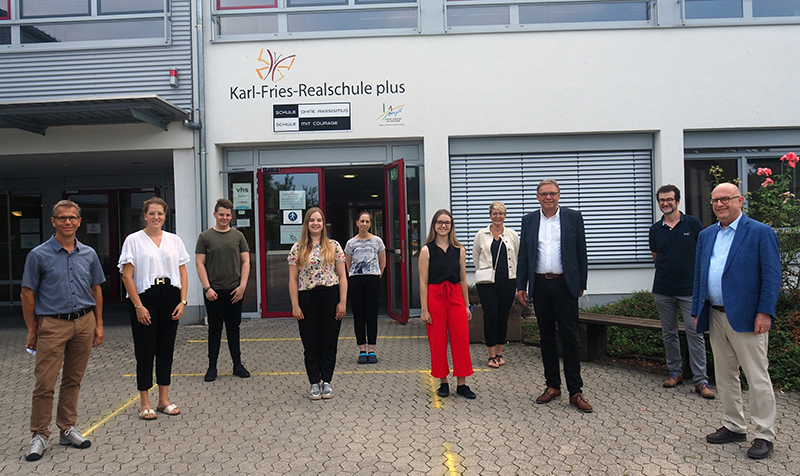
767, 181
764, 171
792, 158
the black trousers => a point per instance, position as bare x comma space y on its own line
319, 331
496, 301
156, 341
555, 308
224, 312
364, 294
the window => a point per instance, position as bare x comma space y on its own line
91, 22
244, 19
469, 14
612, 189
738, 10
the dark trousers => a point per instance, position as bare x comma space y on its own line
556, 307
364, 293
496, 301
224, 312
319, 331
156, 341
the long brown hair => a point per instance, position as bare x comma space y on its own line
304, 246
451, 236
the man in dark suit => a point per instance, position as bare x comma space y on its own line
737, 280
552, 269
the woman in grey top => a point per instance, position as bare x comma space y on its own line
366, 260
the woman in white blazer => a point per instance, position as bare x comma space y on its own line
496, 247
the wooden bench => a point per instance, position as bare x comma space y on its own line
593, 327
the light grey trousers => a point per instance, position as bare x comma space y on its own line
668, 313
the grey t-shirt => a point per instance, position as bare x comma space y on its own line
364, 254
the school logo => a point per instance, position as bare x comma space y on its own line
275, 66
391, 114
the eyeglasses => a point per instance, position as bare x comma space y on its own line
443, 223
664, 201
723, 200
64, 219
548, 194
156, 214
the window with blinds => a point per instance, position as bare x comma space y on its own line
612, 189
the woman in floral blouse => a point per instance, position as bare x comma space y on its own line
318, 290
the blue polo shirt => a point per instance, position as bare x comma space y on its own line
675, 250
62, 281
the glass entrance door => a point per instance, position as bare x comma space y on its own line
396, 240
285, 195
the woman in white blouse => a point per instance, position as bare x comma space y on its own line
153, 267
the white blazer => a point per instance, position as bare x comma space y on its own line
482, 249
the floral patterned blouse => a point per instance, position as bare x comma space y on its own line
316, 272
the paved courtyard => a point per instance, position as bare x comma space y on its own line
384, 418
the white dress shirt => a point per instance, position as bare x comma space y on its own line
549, 248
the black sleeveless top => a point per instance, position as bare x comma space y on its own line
444, 266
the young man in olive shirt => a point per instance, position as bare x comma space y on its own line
673, 241
223, 266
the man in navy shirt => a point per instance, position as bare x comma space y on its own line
673, 241
62, 303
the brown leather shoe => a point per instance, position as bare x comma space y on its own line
548, 395
673, 381
580, 403
704, 391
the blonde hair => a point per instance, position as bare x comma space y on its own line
499, 206
451, 236
304, 247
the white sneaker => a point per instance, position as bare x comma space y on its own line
327, 390
37, 447
313, 393
74, 438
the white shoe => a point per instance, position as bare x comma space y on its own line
73, 437
37, 447
313, 393
327, 390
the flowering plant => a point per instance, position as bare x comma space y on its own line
773, 202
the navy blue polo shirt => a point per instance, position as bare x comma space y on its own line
675, 250
62, 281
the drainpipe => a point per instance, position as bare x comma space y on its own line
201, 113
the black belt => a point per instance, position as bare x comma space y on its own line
72, 316
550, 275
160, 281
718, 308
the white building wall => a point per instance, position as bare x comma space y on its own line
662, 81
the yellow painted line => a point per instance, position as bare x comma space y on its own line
452, 460
113, 414
279, 339
437, 402
345, 372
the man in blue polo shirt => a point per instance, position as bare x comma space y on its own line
63, 308
673, 241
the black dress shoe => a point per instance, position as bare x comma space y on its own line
240, 371
724, 435
761, 449
464, 391
444, 390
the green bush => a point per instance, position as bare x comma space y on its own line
632, 343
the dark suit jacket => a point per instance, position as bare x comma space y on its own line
573, 251
751, 279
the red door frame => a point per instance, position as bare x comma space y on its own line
402, 211
262, 242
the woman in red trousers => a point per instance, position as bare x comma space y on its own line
443, 293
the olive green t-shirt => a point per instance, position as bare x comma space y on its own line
223, 259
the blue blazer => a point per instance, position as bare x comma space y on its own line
573, 251
751, 279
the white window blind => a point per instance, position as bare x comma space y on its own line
612, 189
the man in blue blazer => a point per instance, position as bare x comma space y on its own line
737, 280
552, 269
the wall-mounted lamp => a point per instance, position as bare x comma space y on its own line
173, 77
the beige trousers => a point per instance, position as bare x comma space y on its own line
749, 350
60, 341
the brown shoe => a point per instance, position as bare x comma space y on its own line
673, 381
580, 403
704, 391
548, 395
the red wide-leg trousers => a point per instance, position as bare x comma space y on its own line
448, 316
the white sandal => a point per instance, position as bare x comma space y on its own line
146, 414
170, 410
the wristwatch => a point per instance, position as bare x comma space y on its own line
205, 290
185, 303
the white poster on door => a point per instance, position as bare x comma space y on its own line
293, 199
